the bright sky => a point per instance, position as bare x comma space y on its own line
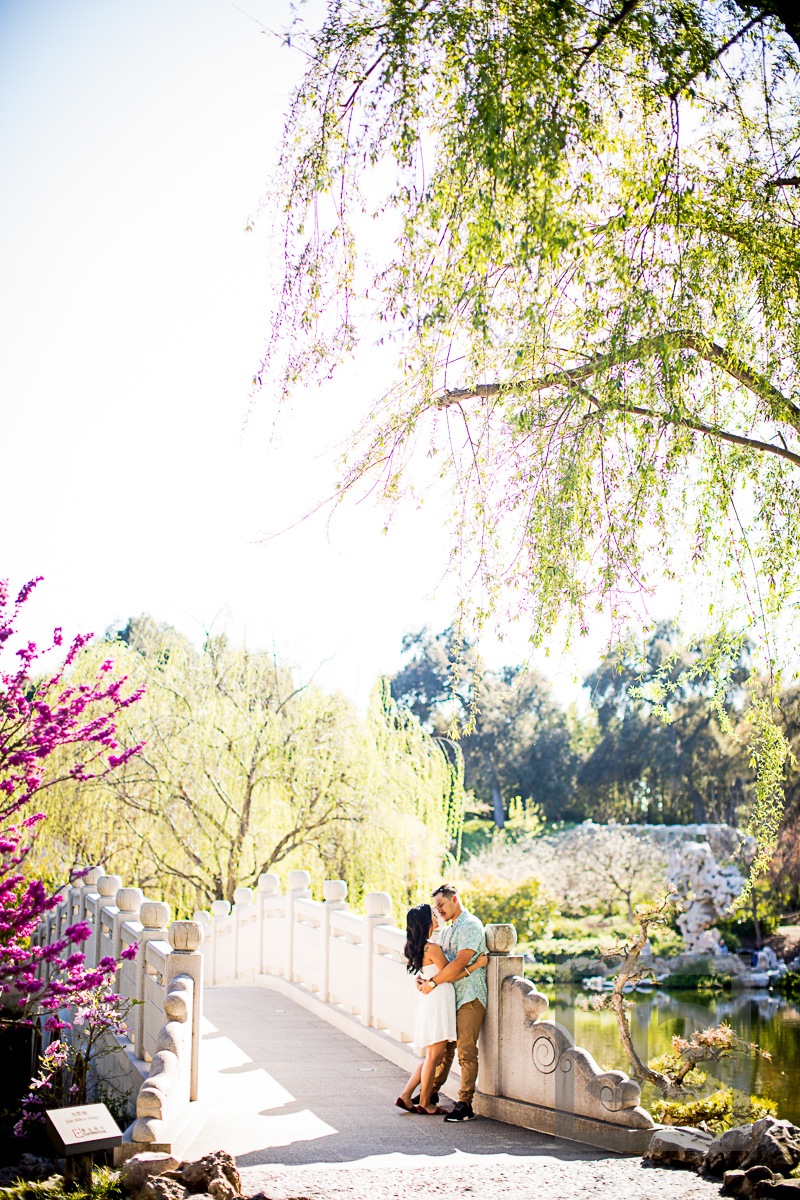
137, 139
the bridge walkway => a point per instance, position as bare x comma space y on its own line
290, 1096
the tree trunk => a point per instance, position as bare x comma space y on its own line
698, 807
756, 922
498, 811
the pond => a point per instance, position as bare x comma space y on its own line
762, 1017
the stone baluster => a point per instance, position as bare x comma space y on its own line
219, 908
186, 938
107, 887
268, 885
378, 907
84, 886
298, 890
154, 916
334, 892
203, 917
128, 902
242, 898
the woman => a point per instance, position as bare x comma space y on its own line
435, 1024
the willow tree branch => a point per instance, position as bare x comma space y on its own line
690, 423
681, 339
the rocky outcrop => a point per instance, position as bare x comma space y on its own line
766, 1143
679, 1145
214, 1175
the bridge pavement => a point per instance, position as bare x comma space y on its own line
284, 1089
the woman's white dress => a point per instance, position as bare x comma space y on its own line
436, 1013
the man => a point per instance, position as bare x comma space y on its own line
463, 941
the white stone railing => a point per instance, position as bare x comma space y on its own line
350, 970
158, 1060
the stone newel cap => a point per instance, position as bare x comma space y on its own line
91, 877
185, 936
299, 880
220, 908
378, 904
129, 899
109, 885
268, 883
243, 895
155, 914
202, 916
334, 889
500, 939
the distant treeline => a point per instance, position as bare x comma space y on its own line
617, 762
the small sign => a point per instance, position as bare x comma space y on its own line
82, 1130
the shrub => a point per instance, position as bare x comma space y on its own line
496, 901
719, 1110
788, 985
561, 949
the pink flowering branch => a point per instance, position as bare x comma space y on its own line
38, 717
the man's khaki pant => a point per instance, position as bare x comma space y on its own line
469, 1018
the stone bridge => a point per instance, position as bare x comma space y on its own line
280, 1029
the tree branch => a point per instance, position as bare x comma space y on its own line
605, 30
681, 339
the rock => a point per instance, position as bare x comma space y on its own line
137, 1170
215, 1175
781, 1189
734, 1183
729, 1150
160, 1187
742, 1183
679, 1144
29, 1169
776, 1147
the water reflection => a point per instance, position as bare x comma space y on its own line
655, 1018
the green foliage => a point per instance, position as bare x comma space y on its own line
720, 1110
105, 1186
520, 904
245, 772
562, 949
789, 985
593, 280
515, 738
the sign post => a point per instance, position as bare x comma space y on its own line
77, 1133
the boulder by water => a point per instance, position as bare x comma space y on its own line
679, 1145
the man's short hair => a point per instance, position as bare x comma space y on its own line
446, 889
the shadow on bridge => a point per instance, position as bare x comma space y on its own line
281, 1086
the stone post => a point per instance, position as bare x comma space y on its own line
219, 908
186, 938
334, 892
500, 942
268, 885
84, 887
128, 904
242, 898
203, 917
154, 915
378, 912
107, 888
298, 890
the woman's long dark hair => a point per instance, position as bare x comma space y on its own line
418, 926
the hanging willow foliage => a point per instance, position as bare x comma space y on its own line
244, 772
588, 259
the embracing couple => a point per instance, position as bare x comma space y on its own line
451, 981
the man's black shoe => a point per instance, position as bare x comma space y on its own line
461, 1112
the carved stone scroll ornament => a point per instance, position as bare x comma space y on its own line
542, 1065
